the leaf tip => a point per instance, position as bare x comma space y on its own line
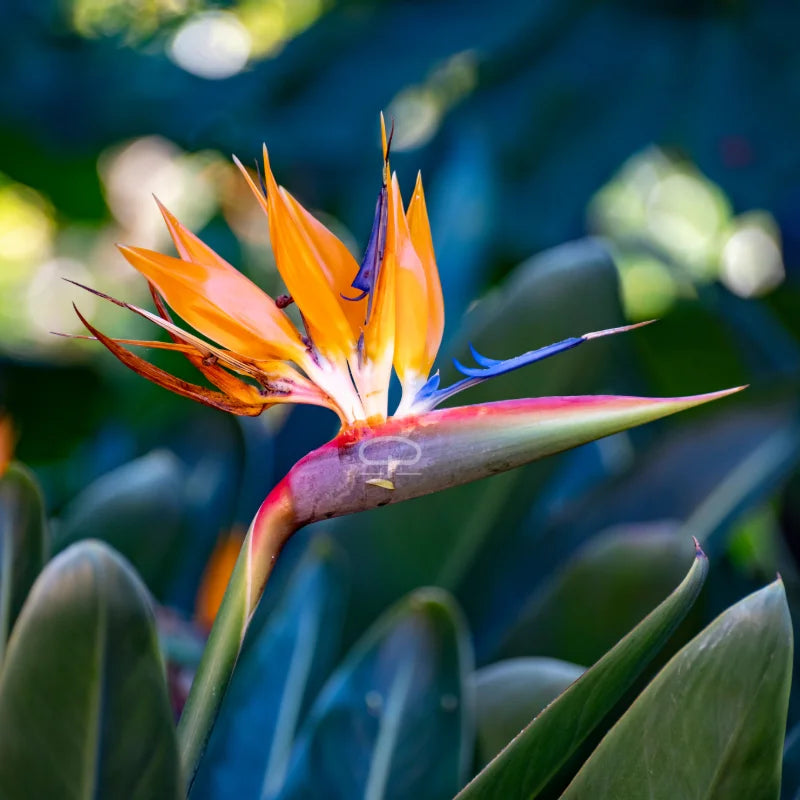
699, 553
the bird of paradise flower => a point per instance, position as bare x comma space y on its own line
360, 322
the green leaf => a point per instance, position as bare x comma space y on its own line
393, 721
711, 723
136, 508
619, 574
83, 703
23, 543
537, 755
508, 694
278, 675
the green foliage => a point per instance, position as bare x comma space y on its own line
538, 754
83, 705
394, 720
23, 543
279, 674
509, 694
642, 563
711, 724
135, 508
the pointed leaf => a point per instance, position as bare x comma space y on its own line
509, 694
393, 722
711, 724
83, 704
540, 751
23, 543
277, 677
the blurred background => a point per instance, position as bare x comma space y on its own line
586, 163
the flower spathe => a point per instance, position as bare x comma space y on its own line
359, 321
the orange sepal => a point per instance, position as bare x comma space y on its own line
420, 231
222, 304
411, 358
338, 264
303, 271
162, 378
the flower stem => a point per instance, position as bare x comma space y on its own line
271, 528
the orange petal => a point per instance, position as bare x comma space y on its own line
163, 378
221, 303
150, 343
303, 271
338, 264
234, 361
280, 383
410, 350
420, 230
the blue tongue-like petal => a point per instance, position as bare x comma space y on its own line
490, 368
430, 396
366, 278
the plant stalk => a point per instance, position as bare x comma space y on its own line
271, 528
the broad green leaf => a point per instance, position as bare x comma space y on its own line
23, 543
277, 677
135, 508
394, 721
619, 574
509, 694
83, 703
710, 726
540, 751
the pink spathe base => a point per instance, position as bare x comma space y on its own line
402, 458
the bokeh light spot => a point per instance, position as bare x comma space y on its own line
47, 300
26, 224
648, 287
752, 263
686, 215
133, 172
418, 110
212, 45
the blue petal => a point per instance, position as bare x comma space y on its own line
430, 396
491, 368
430, 388
366, 279
482, 360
